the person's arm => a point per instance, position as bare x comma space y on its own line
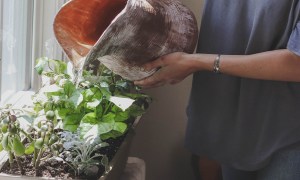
278, 65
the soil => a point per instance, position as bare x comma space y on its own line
60, 170
57, 170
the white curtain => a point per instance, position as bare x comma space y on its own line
26, 33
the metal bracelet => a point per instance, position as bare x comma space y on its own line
216, 68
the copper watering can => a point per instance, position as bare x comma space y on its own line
123, 34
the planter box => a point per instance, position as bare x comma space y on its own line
117, 164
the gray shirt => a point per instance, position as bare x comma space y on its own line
239, 121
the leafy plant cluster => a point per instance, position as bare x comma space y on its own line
82, 156
90, 107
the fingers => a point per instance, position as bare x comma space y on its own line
165, 68
152, 83
147, 82
154, 64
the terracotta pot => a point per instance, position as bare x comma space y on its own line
124, 35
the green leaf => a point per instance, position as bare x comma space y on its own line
18, 147
105, 127
1, 147
120, 127
29, 149
87, 129
108, 117
51, 89
121, 102
90, 118
98, 94
135, 110
40, 64
59, 66
120, 115
39, 143
88, 94
104, 84
99, 111
49, 74
69, 88
37, 107
122, 84
92, 105
48, 106
62, 112
25, 121
76, 98
137, 96
106, 93
5, 141
105, 163
69, 104
112, 134
71, 122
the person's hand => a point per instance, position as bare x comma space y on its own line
172, 68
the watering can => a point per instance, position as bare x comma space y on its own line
123, 35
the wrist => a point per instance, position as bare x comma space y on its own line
202, 62
192, 63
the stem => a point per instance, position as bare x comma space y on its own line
11, 160
113, 79
35, 154
107, 107
46, 157
99, 73
38, 160
49, 66
72, 167
19, 165
26, 134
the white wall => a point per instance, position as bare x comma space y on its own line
160, 135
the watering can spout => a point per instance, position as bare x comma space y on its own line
80, 23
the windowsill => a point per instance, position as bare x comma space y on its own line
20, 99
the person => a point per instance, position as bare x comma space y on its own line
244, 107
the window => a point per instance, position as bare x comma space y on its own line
16, 34
25, 34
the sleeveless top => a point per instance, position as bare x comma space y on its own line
241, 122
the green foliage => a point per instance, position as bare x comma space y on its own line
56, 66
18, 147
80, 154
91, 110
97, 104
11, 132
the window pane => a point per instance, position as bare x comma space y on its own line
44, 42
15, 37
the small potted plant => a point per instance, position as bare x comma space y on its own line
75, 126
